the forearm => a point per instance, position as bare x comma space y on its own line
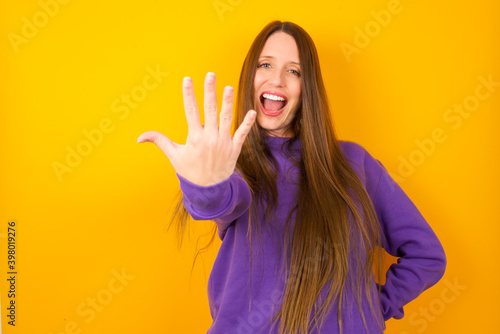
222, 202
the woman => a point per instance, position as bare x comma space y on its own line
301, 215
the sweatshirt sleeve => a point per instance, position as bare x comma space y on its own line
422, 260
223, 202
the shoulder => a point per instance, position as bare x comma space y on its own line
352, 150
355, 154
367, 167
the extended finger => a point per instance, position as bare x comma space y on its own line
160, 140
226, 112
210, 104
190, 106
243, 130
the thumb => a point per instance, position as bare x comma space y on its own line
160, 140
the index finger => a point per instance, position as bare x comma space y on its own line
190, 106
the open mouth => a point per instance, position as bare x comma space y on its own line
272, 103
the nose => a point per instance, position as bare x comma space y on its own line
277, 78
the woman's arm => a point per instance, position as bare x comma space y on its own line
422, 260
223, 202
205, 165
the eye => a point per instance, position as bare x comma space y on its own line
297, 73
266, 65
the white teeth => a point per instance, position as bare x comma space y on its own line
273, 97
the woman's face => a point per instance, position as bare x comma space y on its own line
277, 84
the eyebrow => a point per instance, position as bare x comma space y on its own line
290, 62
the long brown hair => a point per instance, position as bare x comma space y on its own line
333, 208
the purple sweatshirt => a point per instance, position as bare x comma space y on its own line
408, 236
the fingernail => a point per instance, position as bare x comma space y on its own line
139, 140
210, 77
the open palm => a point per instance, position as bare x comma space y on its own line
210, 153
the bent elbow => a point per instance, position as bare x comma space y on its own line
442, 262
438, 266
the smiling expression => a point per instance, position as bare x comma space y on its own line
277, 84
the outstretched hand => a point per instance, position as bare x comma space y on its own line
210, 153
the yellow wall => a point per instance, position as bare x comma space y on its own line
65, 76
